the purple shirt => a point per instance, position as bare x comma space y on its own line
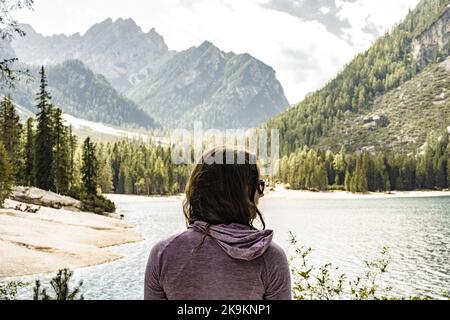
234, 262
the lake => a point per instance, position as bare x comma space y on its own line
343, 232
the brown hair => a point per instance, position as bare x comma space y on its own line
220, 191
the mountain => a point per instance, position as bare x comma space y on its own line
201, 83
400, 119
387, 98
80, 92
222, 90
118, 50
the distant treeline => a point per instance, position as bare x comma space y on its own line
128, 167
364, 171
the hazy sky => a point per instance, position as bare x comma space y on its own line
305, 41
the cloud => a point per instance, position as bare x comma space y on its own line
323, 11
305, 41
369, 19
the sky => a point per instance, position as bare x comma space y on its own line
306, 41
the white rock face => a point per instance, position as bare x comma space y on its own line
426, 47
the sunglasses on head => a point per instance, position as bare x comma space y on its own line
261, 187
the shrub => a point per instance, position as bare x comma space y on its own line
92, 203
326, 283
60, 287
9, 290
98, 204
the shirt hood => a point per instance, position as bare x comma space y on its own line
237, 240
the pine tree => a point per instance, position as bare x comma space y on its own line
441, 171
121, 180
340, 167
61, 156
360, 177
44, 140
429, 157
6, 177
89, 168
420, 173
29, 154
348, 181
72, 150
115, 166
10, 134
322, 178
105, 175
447, 154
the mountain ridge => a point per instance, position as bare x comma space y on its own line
174, 87
80, 92
103, 48
232, 81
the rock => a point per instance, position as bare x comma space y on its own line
369, 149
44, 198
446, 64
376, 121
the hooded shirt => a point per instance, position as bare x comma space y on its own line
232, 262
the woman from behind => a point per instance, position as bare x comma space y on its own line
221, 255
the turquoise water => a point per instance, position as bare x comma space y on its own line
343, 232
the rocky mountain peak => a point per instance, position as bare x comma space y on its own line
224, 90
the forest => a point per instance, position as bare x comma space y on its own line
361, 172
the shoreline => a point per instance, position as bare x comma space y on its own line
53, 239
282, 193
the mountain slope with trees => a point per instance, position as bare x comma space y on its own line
357, 92
399, 120
81, 93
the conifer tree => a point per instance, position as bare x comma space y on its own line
105, 175
6, 177
72, 150
447, 154
44, 138
61, 157
89, 168
360, 177
441, 171
10, 134
29, 154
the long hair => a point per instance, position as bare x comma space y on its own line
220, 191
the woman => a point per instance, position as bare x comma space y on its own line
221, 256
